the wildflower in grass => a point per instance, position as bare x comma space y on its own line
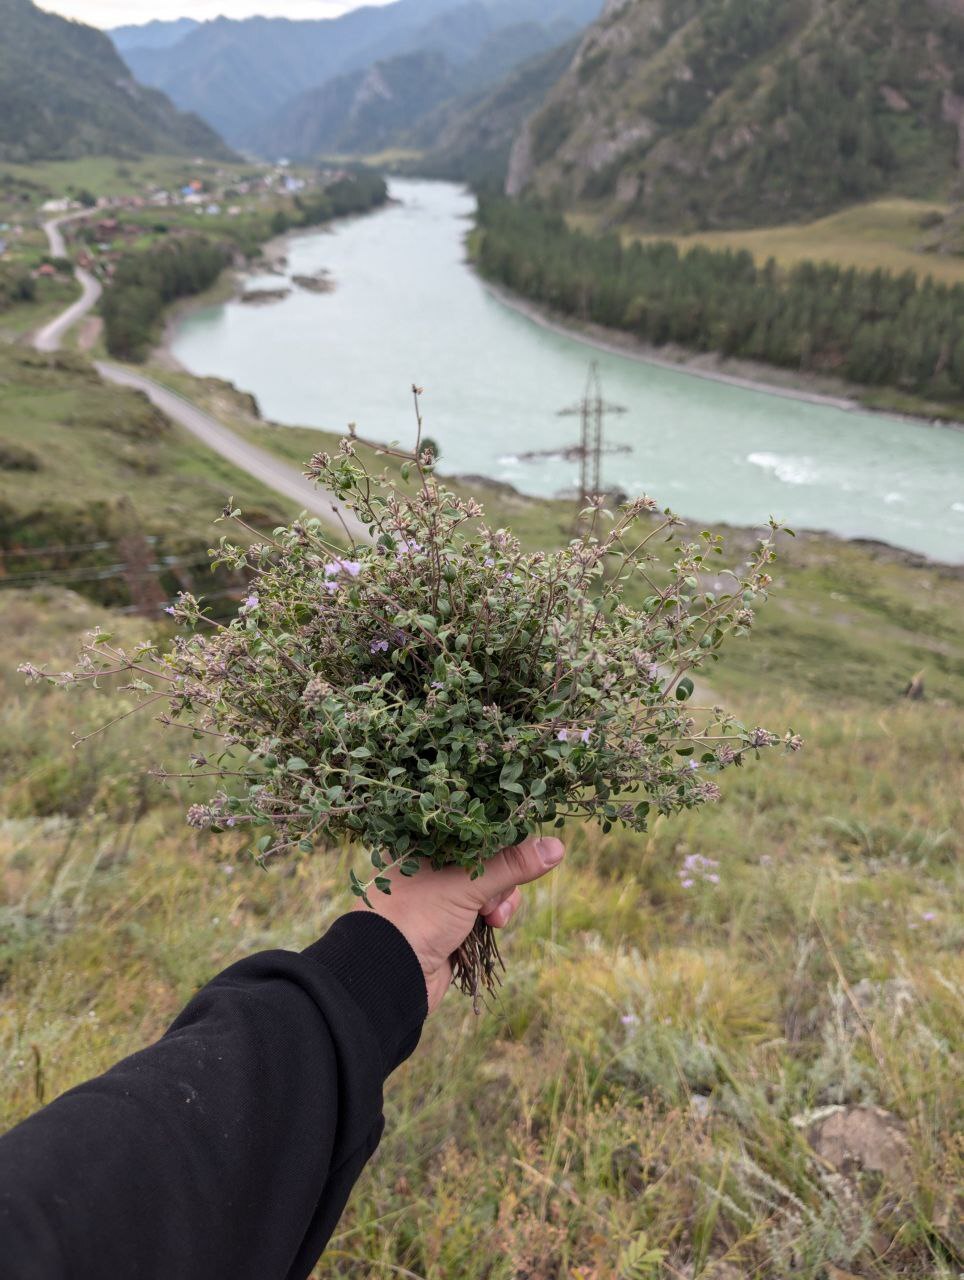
698, 869
378, 646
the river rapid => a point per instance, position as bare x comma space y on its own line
406, 307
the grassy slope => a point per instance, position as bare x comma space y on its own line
118, 445
553, 1132
108, 466
883, 233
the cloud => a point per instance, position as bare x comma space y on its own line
117, 13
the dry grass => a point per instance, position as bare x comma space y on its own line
635, 1089
883, 234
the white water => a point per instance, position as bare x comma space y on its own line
408, 308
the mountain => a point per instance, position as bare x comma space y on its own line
235, 74
401, 101
238, 75
65, 92
683, 114
159, 34
363, 111
470, 139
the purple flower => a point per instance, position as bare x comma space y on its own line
488, 562
330, 586
698, 867
251, 602
585, 736
351, 567
404, 547
438, 684
378, 646
169, 608
629, 1020
692, 764
929, 916
562, 735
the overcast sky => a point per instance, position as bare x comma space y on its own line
117, 13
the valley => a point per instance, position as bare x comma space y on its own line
687, 1075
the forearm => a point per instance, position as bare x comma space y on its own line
230, 1146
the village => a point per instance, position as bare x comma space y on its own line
100, 228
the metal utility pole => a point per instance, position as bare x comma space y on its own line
592, 411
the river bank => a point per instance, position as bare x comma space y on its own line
748, 375
230, 286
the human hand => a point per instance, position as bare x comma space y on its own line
436, 910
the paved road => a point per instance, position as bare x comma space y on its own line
264, 466
49, 337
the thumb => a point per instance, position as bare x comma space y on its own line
517, 865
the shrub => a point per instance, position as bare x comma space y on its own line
16, 457
437, 694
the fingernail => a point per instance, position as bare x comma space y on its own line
551, 852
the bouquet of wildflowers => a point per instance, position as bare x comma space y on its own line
436, 693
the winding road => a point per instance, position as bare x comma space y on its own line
263, 466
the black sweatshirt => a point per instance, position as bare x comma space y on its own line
228, 1149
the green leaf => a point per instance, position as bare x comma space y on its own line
511, 772
360, 753
296, 764
684, 689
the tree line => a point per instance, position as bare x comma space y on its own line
16, 285
871, 327
145, 282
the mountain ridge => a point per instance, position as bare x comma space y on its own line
396, 102
65, 92
703, 113
240, 74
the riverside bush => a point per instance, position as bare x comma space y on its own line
435, 693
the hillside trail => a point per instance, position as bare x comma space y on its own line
214, 434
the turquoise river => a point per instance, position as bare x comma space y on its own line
406, 307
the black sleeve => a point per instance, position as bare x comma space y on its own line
230, 1146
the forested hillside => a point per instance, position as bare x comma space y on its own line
64, 92
702, 113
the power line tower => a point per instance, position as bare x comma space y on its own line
592, 410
